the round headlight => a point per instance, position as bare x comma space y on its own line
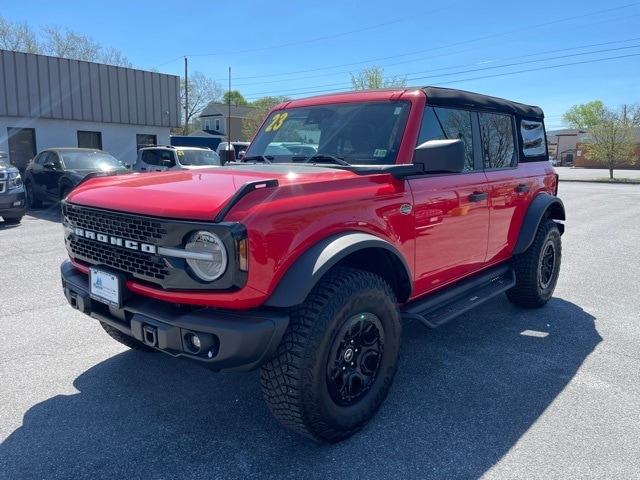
213, 261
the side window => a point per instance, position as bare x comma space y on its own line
533, 138
448, 123
41, 158
498, 146
150, 157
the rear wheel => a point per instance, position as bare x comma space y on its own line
126, 339
337, 359
537, 269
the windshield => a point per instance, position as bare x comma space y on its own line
364, 133
90, 161
198, 157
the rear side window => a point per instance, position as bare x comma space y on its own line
498, 145
445, 124
150, 157
533, 138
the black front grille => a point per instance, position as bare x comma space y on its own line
137, 263
140, 264
129, 244
121, 225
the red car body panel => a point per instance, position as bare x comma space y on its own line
453, 235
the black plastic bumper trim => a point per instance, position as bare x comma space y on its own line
240, 341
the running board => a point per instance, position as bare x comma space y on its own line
445, 305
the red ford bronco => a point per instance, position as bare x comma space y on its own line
347, 214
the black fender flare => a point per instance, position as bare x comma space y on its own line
541, 206
308, 269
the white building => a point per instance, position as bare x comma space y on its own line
57, 102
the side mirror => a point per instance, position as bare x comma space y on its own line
167, 163
49, 166
440, 156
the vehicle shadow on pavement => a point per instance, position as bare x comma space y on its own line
49, 211
463, 396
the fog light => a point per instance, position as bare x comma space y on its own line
192, 342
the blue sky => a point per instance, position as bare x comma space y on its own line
548, 53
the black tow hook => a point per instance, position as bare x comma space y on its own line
150, 335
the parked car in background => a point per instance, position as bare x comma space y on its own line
11, 192
231, 151
54, 172
168, 157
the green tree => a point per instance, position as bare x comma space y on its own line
612, 141
237, 100
252, 122
373, 78
586, 115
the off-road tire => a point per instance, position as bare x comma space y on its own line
337, 359
30, 196
126, 339
537, 268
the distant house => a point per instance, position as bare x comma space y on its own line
563, 144
58, 102
224, 120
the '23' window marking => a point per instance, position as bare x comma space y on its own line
277, 122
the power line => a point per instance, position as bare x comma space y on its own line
381, 25
466, 42
549, 67
450, 68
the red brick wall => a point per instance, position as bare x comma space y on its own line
580, 160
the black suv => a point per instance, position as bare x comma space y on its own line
11, 192
56, 171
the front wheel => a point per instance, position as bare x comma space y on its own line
30, 195
537, 268
337, 359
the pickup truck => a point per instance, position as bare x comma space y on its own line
414, 203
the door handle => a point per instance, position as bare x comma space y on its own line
476, 197
523, 188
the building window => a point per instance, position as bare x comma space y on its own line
22, 146
90, 139
217, 124
207, 125
146, 140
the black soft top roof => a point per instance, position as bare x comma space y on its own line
459, 98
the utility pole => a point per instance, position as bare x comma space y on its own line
229, 116
186, 99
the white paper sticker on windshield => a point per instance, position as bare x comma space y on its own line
378, 153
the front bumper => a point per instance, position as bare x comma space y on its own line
239, 341
12, 204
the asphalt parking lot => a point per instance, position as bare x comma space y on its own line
499, 393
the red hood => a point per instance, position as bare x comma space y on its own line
192, 194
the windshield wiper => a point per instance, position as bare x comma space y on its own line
258, 158
320, 158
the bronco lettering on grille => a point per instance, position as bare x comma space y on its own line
116, 241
